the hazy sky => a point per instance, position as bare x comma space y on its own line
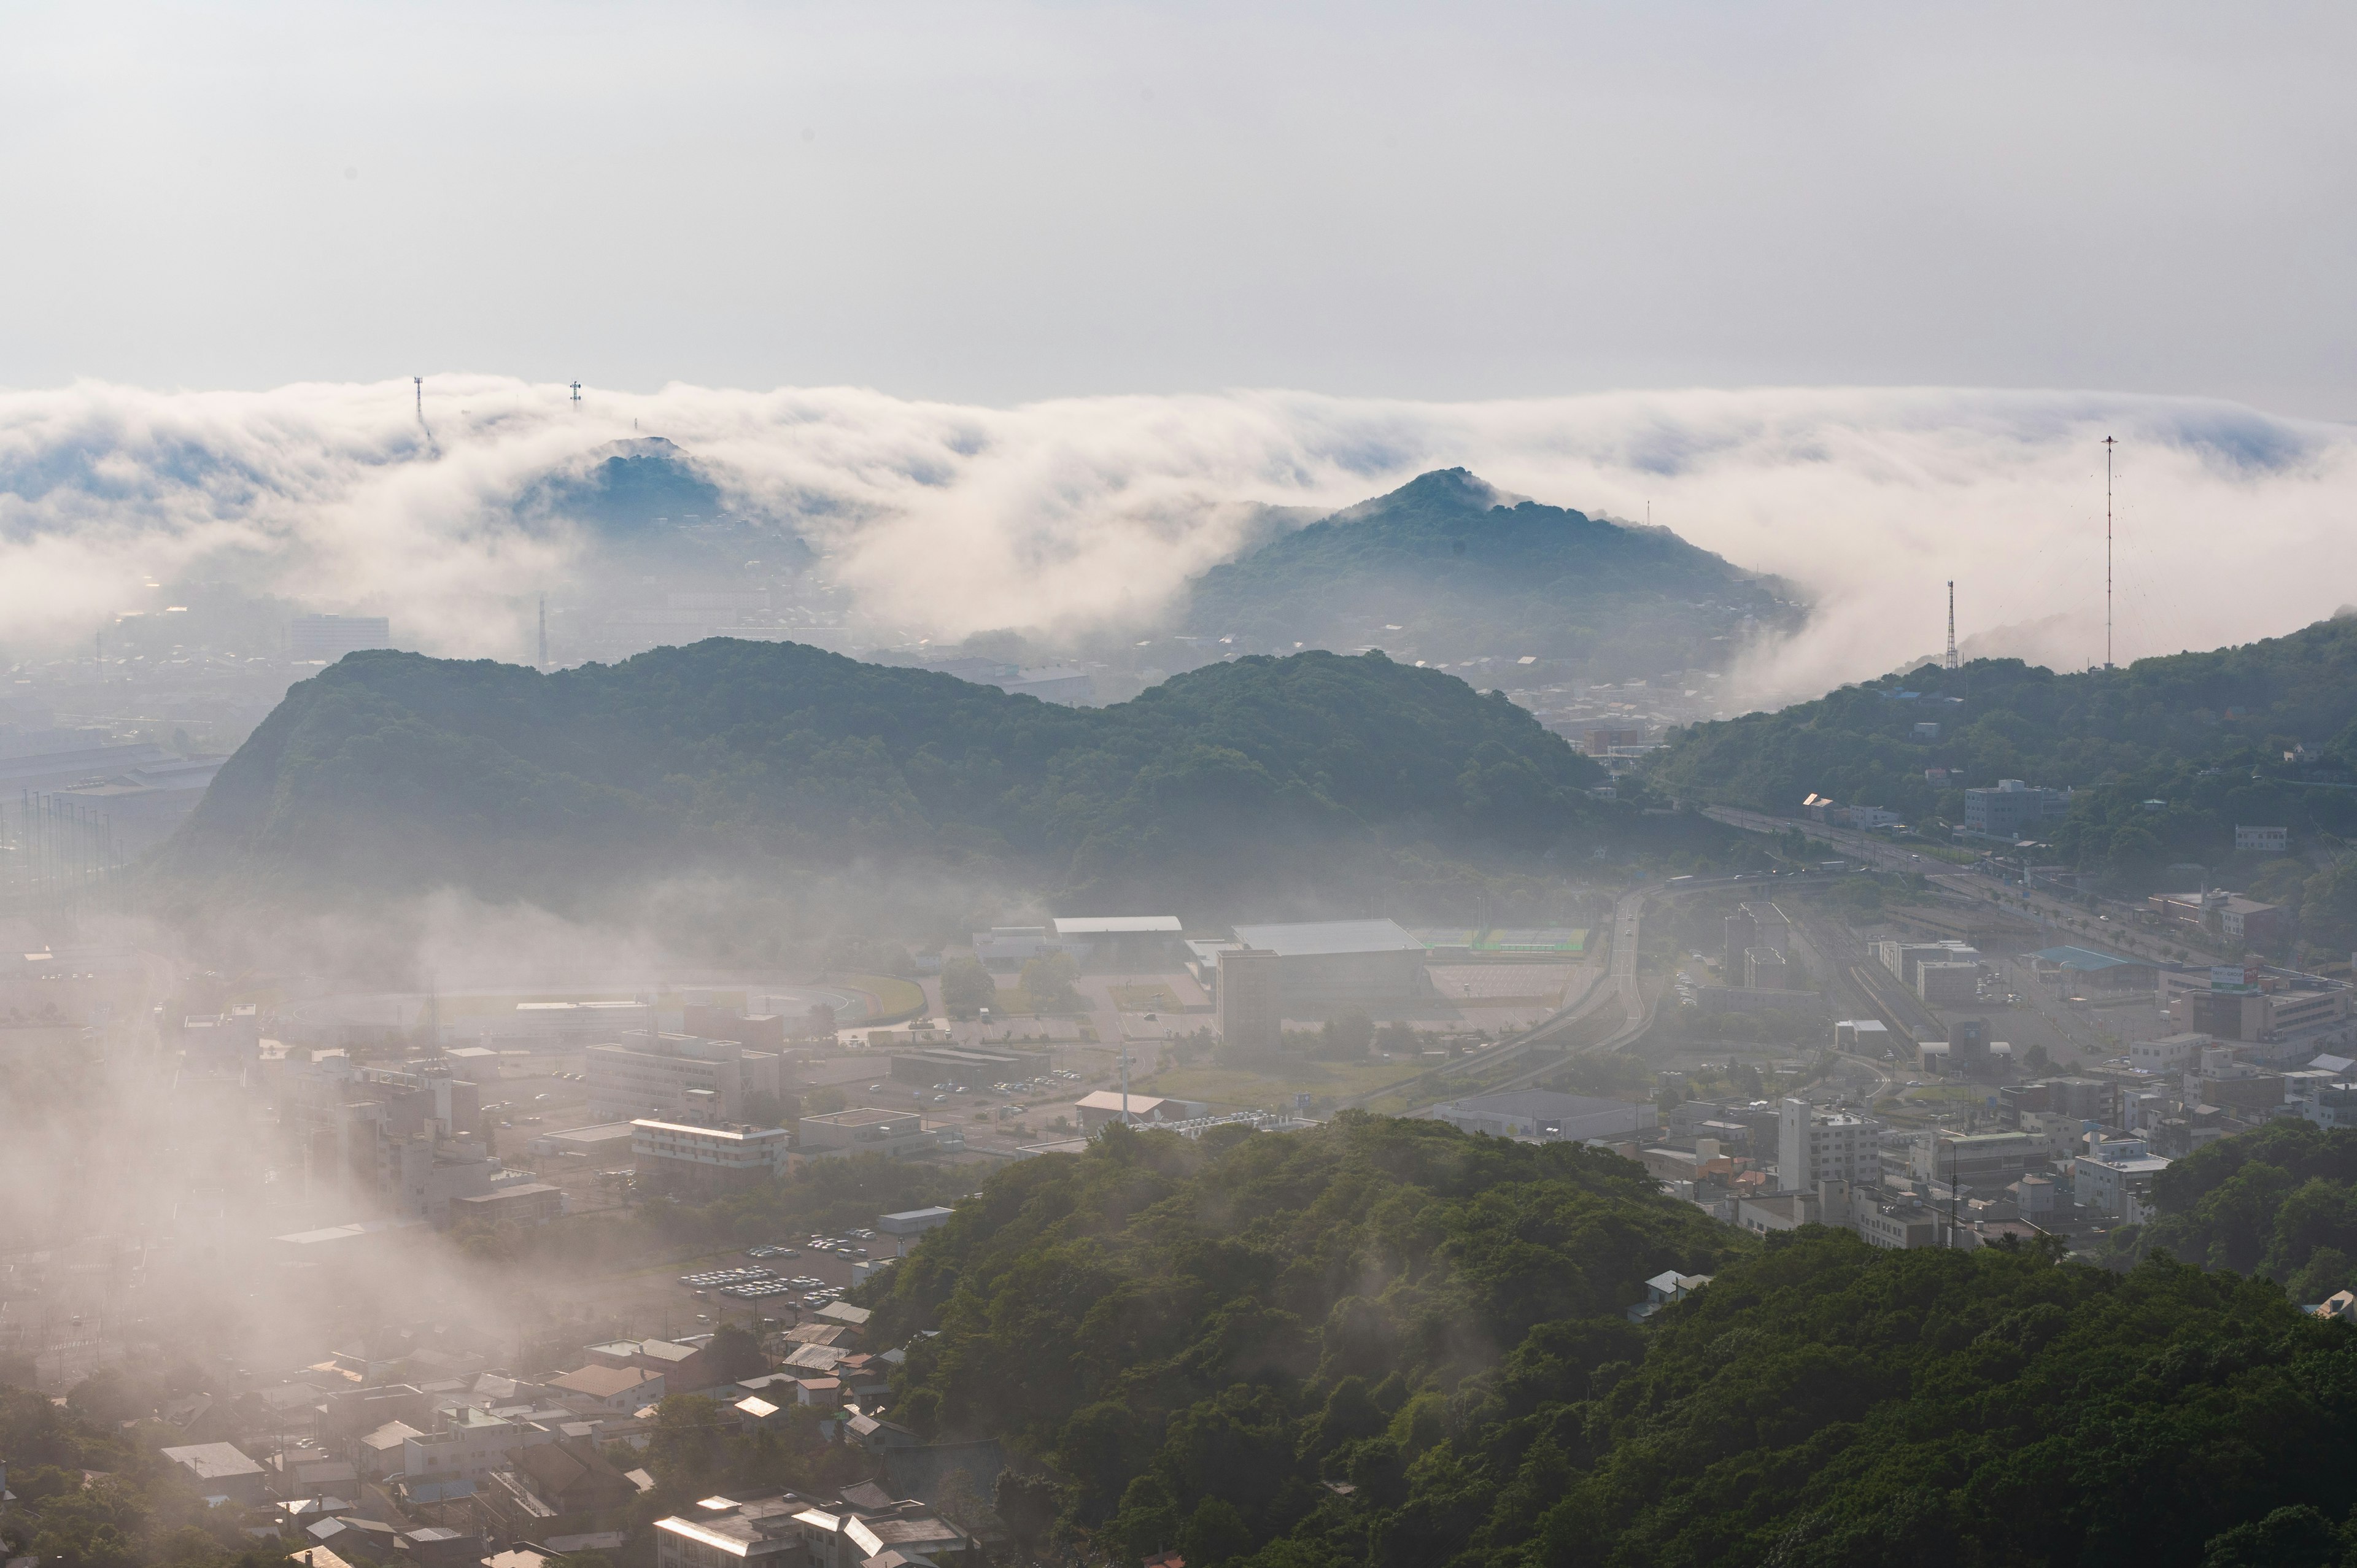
994, 203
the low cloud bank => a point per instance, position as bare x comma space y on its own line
1085, 515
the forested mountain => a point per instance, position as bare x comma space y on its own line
1441, 568
2205, 733
1311, 776
1386, 1343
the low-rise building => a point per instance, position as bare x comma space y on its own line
620, 1389
865, 1129
219, 1470
2109, 1182
1544, 1116
706, 1162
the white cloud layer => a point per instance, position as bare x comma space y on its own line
1084, 513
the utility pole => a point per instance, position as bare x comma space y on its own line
2108, 445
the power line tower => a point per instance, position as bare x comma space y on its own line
420, 382
2108, 445
543, 632
576, 396
1952, 661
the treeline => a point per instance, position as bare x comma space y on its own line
2203, 734
2280, 1201
1460, 575
1387, 1343
91, 1496
1277, 780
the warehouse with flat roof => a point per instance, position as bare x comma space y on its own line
1325, 966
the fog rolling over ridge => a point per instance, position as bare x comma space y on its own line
1088, 518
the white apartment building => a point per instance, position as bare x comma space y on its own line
1814, 1145
674, 1156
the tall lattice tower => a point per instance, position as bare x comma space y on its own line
1952, 661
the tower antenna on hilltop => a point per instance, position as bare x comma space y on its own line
576, 395
2108, 445
543, 632
1951, 663
421, 398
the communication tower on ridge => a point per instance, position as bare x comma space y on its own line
576, 395
2108, 445
1952, 662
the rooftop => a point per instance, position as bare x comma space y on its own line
213, 1460
1319, 938
864, 1116
1117, 925
2086, 959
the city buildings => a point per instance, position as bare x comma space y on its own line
865, 1131
2221, 914
1814, 1144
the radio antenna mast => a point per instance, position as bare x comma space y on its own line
1951, 625
2108, 445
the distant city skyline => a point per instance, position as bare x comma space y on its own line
995, 204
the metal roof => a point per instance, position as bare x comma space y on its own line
2086, 959
1319, 938
1117, 925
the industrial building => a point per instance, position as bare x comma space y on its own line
1755, 926
704, 1162
866, 1130
1325, 966
1120, 942
929, 1064
2013, 808
673, 1075
1249, 996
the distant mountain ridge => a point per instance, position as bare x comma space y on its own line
1448, 567
1281, 780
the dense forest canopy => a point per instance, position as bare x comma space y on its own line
2205, 733
2280, 1201
390, 772
1461, 575
1387, 1343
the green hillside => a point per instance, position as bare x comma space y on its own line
2204, 733
1385, 1343
1275, 780
1462, 576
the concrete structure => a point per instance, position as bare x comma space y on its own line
555, 1025
465, 1443
1869, 1036
1984, 1161
1544, 1116
1906, 960
1249, 996
1764, 968
666, 1076
316, 639
927, 1065
1814, 1145
913, 1222
1325, 966
1598, 740
1119, 942
866, 1130
524, 1203
605, 1143
2261, 841
2172, 1054
677, 1157
411, 1135
2014, 809
2117, 1179
2221, 914
1948, 985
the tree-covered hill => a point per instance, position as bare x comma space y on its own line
1387, 1343
2280, 1201
1462, 576
1314, 775
2203, 733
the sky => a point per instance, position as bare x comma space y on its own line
995, 204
